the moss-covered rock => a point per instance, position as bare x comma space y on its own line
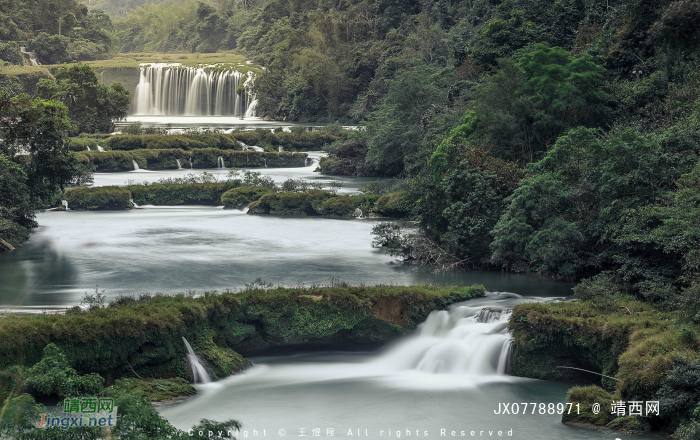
145, 335
583, 399
159, 390
99, 198
239, 197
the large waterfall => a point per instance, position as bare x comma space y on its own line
177, 90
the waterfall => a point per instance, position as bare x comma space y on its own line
31, 55
464, 340
212, 90
280, 149
136, 166
100, 148
65, 204
357, 213
190, 159
179, 165
133, 203
220, 163
199, 373
88, 148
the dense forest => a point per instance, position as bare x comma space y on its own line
556, 137
559, 137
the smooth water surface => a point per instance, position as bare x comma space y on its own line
175, 249
390, 393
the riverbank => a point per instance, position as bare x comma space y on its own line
632, 350
143, 335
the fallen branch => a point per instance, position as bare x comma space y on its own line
589, 371
133, 371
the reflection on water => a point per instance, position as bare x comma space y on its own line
179, 248
390, 390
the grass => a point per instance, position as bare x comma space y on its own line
132, 60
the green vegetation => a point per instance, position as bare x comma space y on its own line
103, 197
30, 181
54, 376
201, 158
57, 31
146, 333
239, 197
92, 107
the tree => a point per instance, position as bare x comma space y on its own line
92, 106
51, 49
35, 162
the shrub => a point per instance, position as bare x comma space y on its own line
395, 204
10, 52
239, 197
174, 194
104, 197
82, 144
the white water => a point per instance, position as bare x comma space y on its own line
199, 373
463, 341
136, 165
31, 55
88, 148
220, 163
64, 203
252, 147
99, 148
174, 89
179, 165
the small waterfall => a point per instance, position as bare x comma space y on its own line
357, 213
31, 55
265, 162
251, 109
179, 165
281, 149
133, 203
88, 148
220, 163
464, 340
65, 204
199, 373
190, 160
100, 148
211, 90
136, 166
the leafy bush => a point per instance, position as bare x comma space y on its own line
239, 197
10, 52
51, 49
188, 194
395, 204
104, 197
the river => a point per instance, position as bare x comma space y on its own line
447, 376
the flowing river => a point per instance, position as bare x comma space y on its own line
450, 375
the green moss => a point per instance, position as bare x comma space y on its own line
100, 198
394, 204
159, 390
145, 335
180, 194
239, 197
630, 424
313, 203
582, 399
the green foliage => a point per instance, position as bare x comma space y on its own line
10, 52
157, 390
680, 391
98, 198
585, 397
396, 204
53, 375
92, 107
51, 49
180, 194
239, 197
579, 210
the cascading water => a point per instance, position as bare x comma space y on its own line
175, 90
220, 163
99, 148
179, 165
88, 148
199, 373
465, 341
136, 165
31, 56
